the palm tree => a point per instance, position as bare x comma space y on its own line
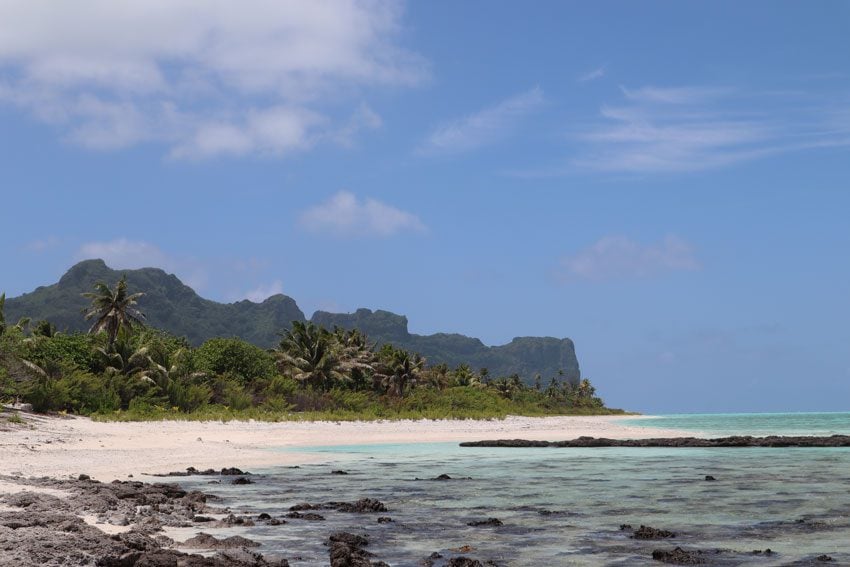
504, 387
404, 369
464, 375
356, 356
437, 376
113, 310
307, 351
122, 357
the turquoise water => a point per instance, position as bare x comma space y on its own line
722, 424
565, 506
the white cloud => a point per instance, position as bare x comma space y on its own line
263, 292
592, 75
124, 254
270, 131
204, 77
617, 257
482, 128
683, 129
345, 215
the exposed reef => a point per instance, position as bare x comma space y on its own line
734, 441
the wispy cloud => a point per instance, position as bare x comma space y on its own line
41, 244
675, 95
203, 79
482, 128
618, 257
264, 291
592, 75
122, 253
681, 129
346, 215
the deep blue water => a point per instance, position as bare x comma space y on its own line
565, 506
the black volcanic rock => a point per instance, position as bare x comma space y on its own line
362, 506
735, 441
678, 556
488, 523
646, 532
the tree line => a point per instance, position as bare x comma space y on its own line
124, 369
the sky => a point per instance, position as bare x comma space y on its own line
665, 182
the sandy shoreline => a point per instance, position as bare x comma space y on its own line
58, 447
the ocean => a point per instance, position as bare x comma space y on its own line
566, 506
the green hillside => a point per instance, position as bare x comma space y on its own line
175, 307
167, 303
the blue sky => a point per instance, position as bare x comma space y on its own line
663, 182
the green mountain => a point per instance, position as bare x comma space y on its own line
175, 307
167, 303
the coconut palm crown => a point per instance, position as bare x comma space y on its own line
113, 309
308, 352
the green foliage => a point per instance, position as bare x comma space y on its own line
171, 305
400, 370
88, 394
113, 310
311, 355
75, 350
189, 397
234, 357
145, 373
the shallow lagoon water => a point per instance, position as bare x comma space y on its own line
757, 424
565, 506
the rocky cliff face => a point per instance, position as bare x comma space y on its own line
526, 356
171, 305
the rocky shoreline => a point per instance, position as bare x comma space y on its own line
733, 441
47, 522
38, 527
84, 522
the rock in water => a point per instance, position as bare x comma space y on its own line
646, 532
346, 550
206, 541
678, 556
488, 523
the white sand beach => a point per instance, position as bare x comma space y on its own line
62, 446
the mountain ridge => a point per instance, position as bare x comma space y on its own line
173, 306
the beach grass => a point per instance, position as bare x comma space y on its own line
371, 412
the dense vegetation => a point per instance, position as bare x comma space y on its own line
174, 307
121, 369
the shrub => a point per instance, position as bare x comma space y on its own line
281, 386
236, 398
189, 397
70, 351
48, 395
235, 357
88, 394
